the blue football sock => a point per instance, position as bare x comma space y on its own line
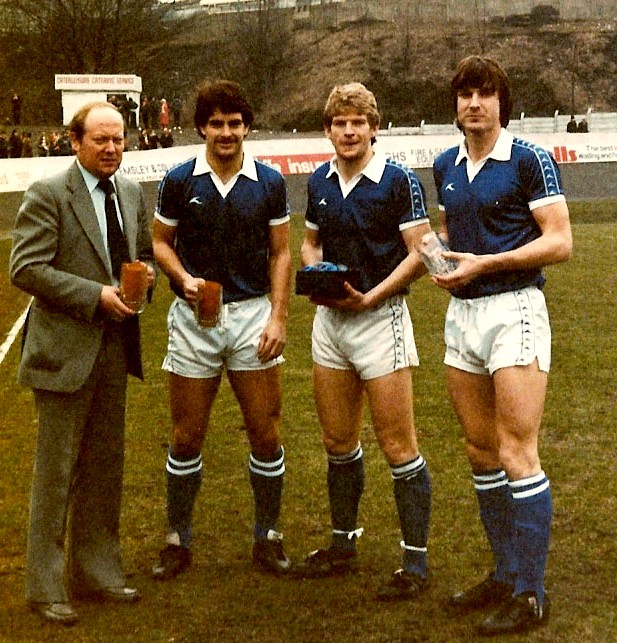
412, 492
345, 487
533, 512
497, 516
183, 483
267, 482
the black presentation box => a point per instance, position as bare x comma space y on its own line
325, 283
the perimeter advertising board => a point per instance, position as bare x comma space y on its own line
300, 156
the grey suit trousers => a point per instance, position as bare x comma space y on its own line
77, 482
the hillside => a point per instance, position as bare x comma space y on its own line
566, 67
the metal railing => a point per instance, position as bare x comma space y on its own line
597, 122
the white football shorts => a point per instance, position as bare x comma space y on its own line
199, 352
498, 331
374, 342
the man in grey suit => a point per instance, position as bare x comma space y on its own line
80, 344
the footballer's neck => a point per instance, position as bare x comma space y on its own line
349, 168
226, 167
480, 143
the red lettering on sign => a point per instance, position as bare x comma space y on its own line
563, 155
296, 163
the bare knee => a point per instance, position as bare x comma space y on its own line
265, 446
519, 460
483, 457
265, 435
187, 441
336, 444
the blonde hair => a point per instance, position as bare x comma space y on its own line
351, 97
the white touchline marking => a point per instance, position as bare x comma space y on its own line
10, 338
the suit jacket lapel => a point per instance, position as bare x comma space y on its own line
81, 202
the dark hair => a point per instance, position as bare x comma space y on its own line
77, 126
225, 95
482, 72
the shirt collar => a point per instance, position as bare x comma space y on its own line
374, 168
249, 168
501, 151
92, 181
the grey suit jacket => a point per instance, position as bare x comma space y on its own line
58, 256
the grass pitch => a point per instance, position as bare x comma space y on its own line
222, 599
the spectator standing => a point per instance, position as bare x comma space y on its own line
26, 146
15, 145
53, 144
4, 145
16, 108
164, 115
583, 126
63, 144
154, 107
123, 107
42, 145
167, 138
571, 126
176, 109
116, 101
144, 112
153, 140
143, 142
131, 106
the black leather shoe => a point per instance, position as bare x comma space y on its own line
520, 614
174, 559
269, 556
402, 586
119, 594
487, 593
56, 612
328, 562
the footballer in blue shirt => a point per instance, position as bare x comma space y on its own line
368, 213
505, 217
222, 221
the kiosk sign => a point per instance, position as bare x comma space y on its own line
79, 89
98, 82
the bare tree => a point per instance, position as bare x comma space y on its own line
262, 39
86, 36
411, 17
481, 22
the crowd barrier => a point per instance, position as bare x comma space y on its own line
300, 156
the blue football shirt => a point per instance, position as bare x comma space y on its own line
224, 238
362, 230
492, 212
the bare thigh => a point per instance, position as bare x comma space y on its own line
339, 401
391, 403
191, 402
501, 417
259, 396
520, 392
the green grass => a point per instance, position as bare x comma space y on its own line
222, 598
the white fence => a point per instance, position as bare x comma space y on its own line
597, 122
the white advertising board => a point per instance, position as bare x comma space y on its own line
297, 156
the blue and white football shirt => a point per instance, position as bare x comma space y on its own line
223, 232
488, 206
362, 229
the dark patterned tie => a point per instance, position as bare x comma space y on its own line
116, 241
